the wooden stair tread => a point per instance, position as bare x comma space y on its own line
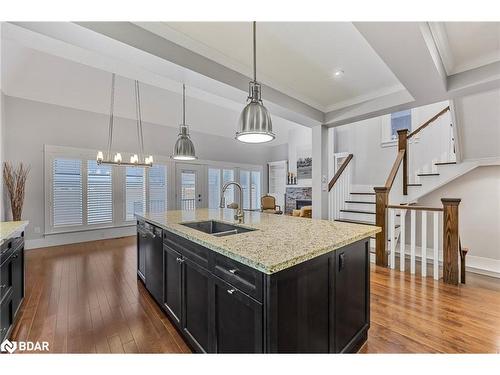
359, 212
355, 221
360, 202
445, 163
359, 193
428, 174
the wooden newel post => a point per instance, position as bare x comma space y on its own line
403, 145
450, 240
381, 201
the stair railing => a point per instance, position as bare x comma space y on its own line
404, 137
338, 187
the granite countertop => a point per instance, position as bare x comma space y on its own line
278, 243
9, 229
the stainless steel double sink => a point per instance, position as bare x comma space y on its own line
216, 228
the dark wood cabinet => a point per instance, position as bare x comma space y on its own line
172, 265
238, 320
17, 278
141, 250
154, 263
223, 306
11, 283
196, 320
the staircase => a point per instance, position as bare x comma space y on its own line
359, 208
419, 168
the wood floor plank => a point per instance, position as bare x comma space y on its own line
86, 298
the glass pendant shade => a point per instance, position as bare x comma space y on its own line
184, 148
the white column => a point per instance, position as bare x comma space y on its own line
320, 172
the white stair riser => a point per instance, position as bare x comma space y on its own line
360, 206
363, 198
357, 216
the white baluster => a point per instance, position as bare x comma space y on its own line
424, 244
436, 246
412, 240
392, 238
402, 241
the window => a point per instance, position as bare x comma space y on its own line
245, 184
214, 187
228, 175
157, 188
255, 190
250, 182
188, 190
135, 192
67, 192
400, 120
99, 193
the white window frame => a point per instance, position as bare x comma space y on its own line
118, 186
385, 130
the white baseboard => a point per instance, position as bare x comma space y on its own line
76, 237
483, 266
480, 265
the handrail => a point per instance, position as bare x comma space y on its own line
428, 122
417, 208
339, 172
394, 170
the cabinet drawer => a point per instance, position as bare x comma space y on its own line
245, 278
9, 246
5, 277
190, 250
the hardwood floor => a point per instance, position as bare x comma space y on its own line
85, 298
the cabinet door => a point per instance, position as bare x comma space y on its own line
172, 282
6, 316
351, 293
154, 265
17, 278
196, 299
238, 320
141, 253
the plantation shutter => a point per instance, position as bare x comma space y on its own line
67, 192
157, 188
99, 193
135, 192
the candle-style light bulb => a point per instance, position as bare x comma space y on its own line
100, 157
118, 157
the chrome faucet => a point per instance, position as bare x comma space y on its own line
239, 213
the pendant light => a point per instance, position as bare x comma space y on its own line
135, 160
255, 124
184, 148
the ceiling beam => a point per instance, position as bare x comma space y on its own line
152, 59
409, 51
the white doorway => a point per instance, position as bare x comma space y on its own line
190, 189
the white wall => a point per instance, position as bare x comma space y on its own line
30, 125
372, 161
479, 210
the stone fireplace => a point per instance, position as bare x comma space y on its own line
296, 196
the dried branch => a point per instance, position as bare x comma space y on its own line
15, 181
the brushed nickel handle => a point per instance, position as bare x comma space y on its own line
231, 291
233, 271
179, 260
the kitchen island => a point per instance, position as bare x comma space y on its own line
11, 274
275, 284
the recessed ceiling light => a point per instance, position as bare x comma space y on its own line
338, 73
